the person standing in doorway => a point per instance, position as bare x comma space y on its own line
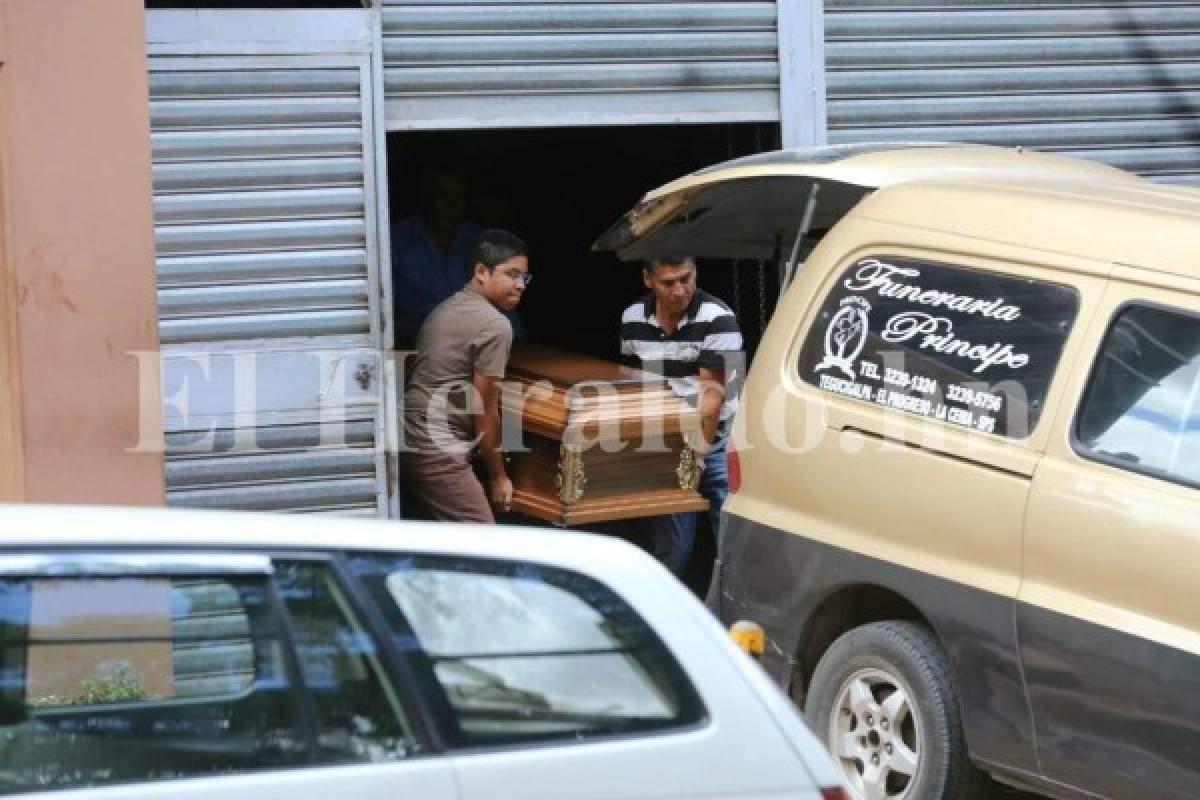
690, 337
431, 248
451, 404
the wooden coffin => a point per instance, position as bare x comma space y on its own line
601, 441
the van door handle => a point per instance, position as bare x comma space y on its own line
989, 452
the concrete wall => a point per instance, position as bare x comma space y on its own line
77, 275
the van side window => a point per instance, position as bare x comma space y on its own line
962, 346
118, 679
526, 653
1141, 410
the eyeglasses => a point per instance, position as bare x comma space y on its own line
516, 276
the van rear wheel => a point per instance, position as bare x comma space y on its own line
882, 700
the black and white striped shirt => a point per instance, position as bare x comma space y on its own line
707, 335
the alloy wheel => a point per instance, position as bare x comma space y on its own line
875, 735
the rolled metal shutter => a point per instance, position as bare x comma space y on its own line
1112, 81
457, 64
212, 652
269, 306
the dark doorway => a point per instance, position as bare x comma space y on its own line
559, 189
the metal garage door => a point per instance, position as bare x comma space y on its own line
493, 64
1113, 81
272, 309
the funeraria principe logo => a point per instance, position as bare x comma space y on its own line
846, 336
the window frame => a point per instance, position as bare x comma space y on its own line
396, 669
809, 328
118, 561
441, 710
75, 563
406, 683
1076, 444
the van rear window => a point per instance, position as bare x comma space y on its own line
966, 347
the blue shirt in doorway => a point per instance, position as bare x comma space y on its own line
422, 275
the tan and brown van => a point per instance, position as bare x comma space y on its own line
965, 499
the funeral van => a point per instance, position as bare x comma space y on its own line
965, 477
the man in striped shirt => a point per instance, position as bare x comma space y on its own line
693, 339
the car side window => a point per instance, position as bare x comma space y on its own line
1141, 410
966, 347
359, 716
112, 680
118, 679
519, 652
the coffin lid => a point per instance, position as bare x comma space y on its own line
753, 207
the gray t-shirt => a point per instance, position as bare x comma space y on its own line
462, 337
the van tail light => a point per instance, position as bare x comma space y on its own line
733, 466
836, 793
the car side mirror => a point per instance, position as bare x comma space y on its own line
12, 710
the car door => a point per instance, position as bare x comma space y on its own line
546, 683
1109, 611
908, 455
197, 675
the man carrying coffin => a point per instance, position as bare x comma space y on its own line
452, 401
690, 337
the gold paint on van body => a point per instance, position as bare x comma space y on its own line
1084, 569
1109, 235
1096, 557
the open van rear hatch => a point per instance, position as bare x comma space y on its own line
759, 206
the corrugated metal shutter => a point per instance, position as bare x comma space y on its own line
269, 302
492, 64
1112, 81
213, 654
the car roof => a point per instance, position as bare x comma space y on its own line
624, 567
27, 527
1007, 195
1144, 225
887, 163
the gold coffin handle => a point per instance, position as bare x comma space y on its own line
688, 470
571, 479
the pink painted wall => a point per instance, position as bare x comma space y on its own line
77, 279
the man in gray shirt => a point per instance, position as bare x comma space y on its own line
453, 396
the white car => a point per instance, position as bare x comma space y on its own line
148, 654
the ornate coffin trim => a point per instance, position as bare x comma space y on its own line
688, 470
571, 479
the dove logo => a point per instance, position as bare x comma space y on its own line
846, 336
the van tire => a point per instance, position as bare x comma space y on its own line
902, 661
